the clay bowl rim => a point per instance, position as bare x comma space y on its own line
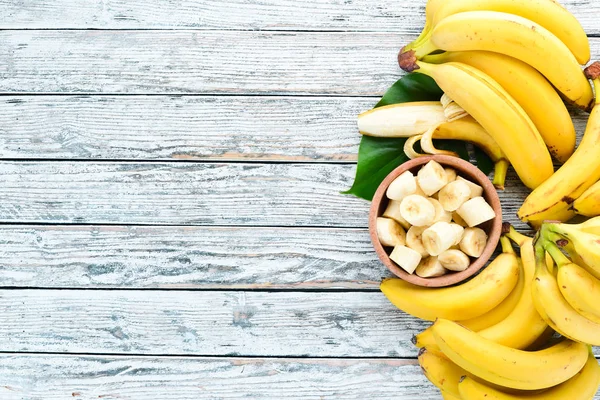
465, 169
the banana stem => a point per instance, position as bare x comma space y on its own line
515, 236
559, 258
425, 48
506, 245
540, 257
500, 169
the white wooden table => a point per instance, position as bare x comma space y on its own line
171, 226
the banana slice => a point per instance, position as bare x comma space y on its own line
473, 241
476, 190
402, 186
440, 213
458, 220
417, 210
454, 260
406, 258
414, 239
390, 233
430, 267
476, 211
431, 177
450, 174
438, 238
393, 211
458, 231
454, 194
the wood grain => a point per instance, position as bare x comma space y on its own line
209, 323
37, 377
325, 15
229, 128
187, 257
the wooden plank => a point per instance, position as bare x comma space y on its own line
187, 257
47, 377
326, 15
198, 62
191, 194
208, 323
226, 128
230, 128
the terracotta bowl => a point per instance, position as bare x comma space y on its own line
493, 227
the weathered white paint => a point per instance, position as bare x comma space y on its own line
325, 15
230, 128
233, 323
187, 257
48, 377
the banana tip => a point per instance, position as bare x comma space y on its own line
407, 60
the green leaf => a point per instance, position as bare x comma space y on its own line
377, 157
484, 162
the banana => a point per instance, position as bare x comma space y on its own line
390, 233
553, 307
547, 13
588, 203
530, 89
447, 396
406, 258
438, 238
450, 174
473, 241
459, 230
580, 289
454, 194
552, 199
402, 186
440, 213
417, 210
430, 9
499, 114
581, 386
592, 225
458, 220
401, 120
506, 366
476, 211
414, 240
430, 267
585, 245
440, 371
465, 301
513, 36
431, 177
454, 260
476, 190
468, 130
523, 325
393, 211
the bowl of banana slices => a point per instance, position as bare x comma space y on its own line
435, 220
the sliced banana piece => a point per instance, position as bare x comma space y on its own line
417, 210
390, 233
454, 260
440, 213
438, 238
458, 220
476, 211
406, 258
431, 177
402, 186
473, 241
454, 194
414, 239
450, 174
430, 267
476, 190
458, 231
393, 211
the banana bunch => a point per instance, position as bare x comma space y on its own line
427, 120
568, 297
497, 60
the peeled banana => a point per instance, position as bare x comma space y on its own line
401, 120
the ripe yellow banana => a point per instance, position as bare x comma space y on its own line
530, 89
509, 367
553, 307
499, 114
588, 203
552, 199
514, 36
585, 250
592, 225
447, 396
440, 371
430, 10
468, 300
581, 290
582, 386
